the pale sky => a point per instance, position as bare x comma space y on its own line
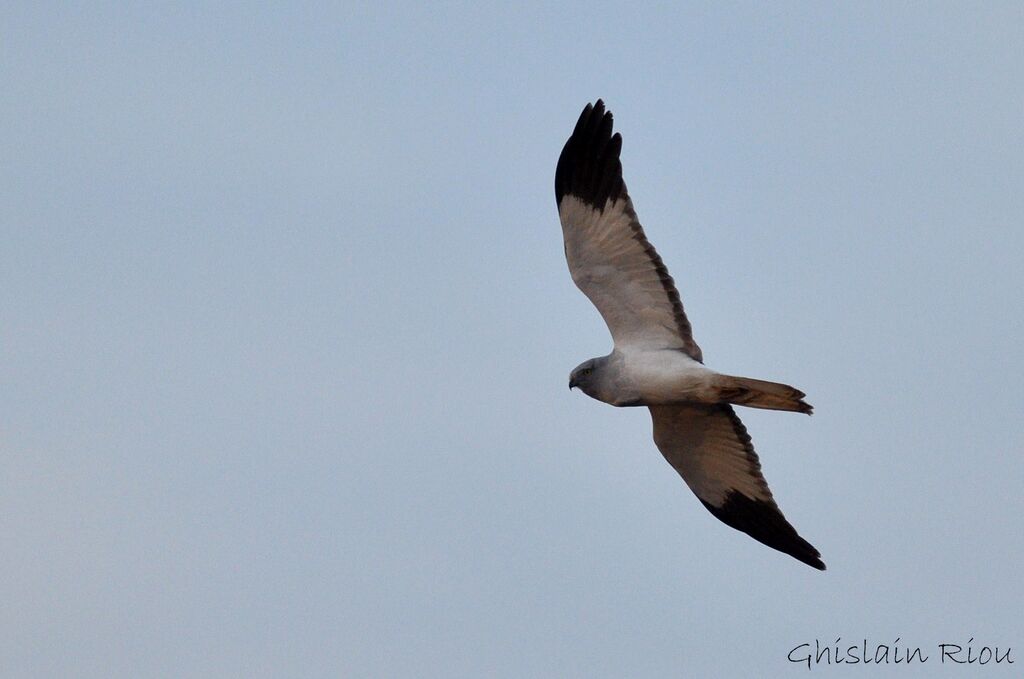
286, 328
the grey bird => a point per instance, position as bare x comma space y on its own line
655, 361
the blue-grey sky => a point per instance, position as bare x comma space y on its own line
285, 332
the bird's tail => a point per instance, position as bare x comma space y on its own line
753, 393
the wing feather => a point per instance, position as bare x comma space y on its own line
609, 256
711, 450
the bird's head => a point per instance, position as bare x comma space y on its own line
582, 376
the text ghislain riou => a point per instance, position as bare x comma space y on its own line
842, 652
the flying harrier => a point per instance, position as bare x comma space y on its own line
655, 362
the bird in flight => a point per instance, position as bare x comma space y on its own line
655, 362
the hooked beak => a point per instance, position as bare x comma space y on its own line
572, 383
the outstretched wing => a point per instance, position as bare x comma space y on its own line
711, 450
609, 256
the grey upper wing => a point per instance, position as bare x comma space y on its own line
609, 256
710, 448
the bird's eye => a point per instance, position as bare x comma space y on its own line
587, 371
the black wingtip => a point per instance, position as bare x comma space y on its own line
589, 166
765, 523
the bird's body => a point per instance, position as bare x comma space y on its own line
665, 376
646, 377
655, 361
